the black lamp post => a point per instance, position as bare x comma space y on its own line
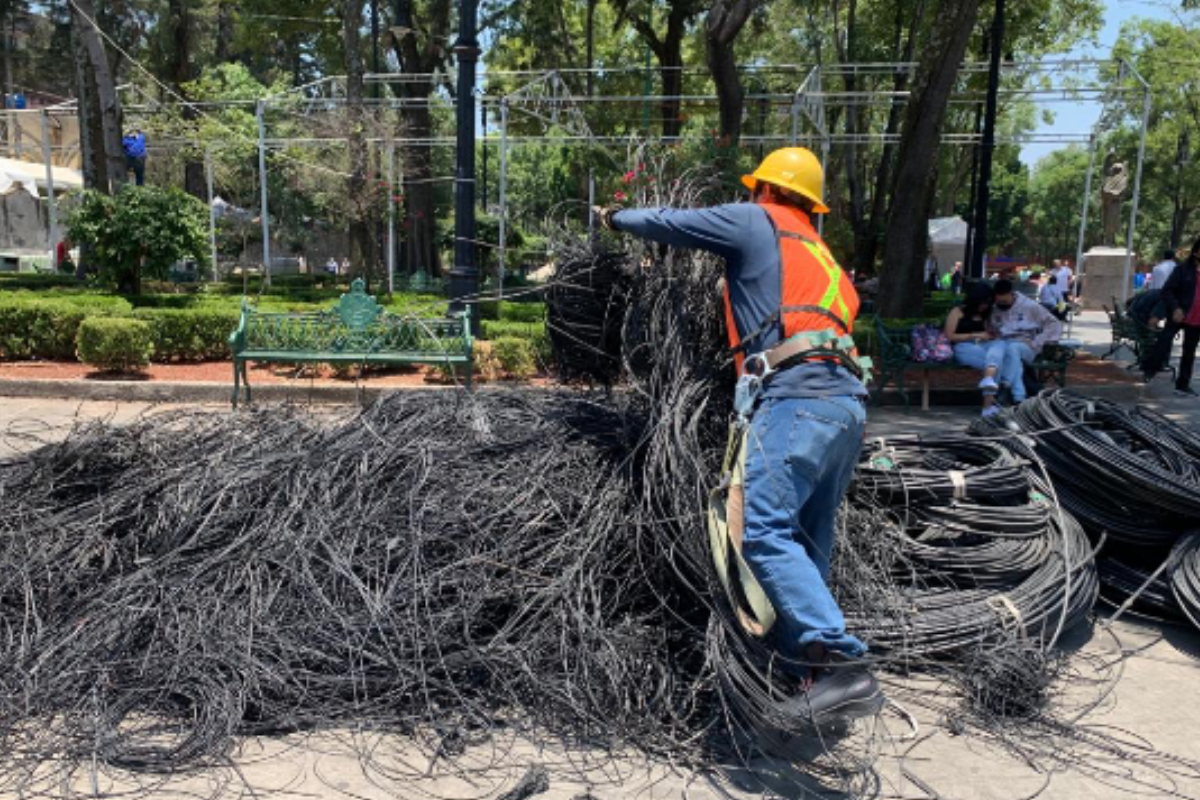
977, 257
464, 277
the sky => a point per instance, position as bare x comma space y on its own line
1072, 118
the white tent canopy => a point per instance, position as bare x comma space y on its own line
948, 241
31, 176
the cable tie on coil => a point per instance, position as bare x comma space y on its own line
1002, 603
959, 479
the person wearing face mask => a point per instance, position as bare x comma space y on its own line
1026, 326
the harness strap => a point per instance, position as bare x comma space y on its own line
726, 524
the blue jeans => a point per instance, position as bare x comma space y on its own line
1008, 357
800, 457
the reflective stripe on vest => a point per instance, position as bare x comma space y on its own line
813, 289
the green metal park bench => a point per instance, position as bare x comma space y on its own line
894, 361
355, 331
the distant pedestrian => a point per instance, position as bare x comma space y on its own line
331, 266
1181, 300
134, 145
1064, 277
345, 266
956, 278
1162, 270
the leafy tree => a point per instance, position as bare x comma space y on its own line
139, 232
1171, 187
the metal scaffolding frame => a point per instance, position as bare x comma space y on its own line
547, 97
811, 100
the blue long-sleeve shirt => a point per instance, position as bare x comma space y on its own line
135, 145
744, 236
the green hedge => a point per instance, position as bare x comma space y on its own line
516, 356
189, 334
43, 328
33, 280
115, 344
522, 312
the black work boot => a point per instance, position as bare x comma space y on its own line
842, 690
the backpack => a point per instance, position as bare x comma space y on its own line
931, 345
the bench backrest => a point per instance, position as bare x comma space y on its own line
356, 324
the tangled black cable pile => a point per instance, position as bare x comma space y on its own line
1131, 477
431, 562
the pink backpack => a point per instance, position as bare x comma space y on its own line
930, 344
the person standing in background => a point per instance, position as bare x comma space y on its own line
134, 145
1181, 301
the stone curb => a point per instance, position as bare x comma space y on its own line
189, 391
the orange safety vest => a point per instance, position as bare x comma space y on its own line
816, 293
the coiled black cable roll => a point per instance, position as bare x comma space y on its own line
1185, 576
1125, 473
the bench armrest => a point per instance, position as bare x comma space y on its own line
237, 339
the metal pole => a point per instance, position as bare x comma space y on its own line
824, 162
503, 243
795, 120
591, 204
464, 278
262, 185
391, 231
51, 208
978, 265
1087, 202
212, 210
1137, 192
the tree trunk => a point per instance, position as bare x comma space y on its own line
224, 44
91, 135
902, 282
106, 94
859, 223
181, 72
864, 261
1179, 207
725, 21
420, 210
362, 255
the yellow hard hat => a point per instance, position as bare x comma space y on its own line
795, 169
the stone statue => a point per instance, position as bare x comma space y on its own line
1111, 198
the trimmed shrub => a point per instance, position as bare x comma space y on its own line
40, 328
516, 357
522, 312
492, 329
484, 366
114, 344
486, 310
33, 280
189, 334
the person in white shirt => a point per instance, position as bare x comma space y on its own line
1051, 296
1027, 326
1162, 270
1062, 277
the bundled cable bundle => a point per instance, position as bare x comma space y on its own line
975, 549
1185, 576
1131, 477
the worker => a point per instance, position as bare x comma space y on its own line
789, 309
134, 145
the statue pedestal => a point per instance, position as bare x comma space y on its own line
1103, 274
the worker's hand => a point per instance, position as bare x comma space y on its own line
605, 215
1177, 316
